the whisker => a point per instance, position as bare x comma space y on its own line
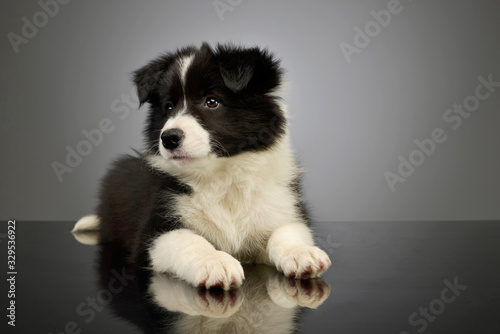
219, 145
148, 153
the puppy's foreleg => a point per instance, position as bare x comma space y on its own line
291, 249
191, 257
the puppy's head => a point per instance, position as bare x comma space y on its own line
210, 103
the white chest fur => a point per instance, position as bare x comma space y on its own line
241, 201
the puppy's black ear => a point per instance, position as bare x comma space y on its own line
147, 78
251, 69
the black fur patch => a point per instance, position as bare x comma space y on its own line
134, 196
147, 79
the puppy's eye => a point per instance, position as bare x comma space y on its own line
169, 106
211, 103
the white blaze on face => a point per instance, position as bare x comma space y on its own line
196, 142
184, 64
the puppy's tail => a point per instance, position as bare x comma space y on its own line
86, 230
90, 223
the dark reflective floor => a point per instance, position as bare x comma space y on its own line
389, 278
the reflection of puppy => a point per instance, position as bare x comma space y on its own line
266, 303
218, 183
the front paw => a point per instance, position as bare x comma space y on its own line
219, 270
303, 262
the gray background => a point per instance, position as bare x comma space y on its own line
349, 120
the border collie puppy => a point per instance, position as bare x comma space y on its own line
218, 183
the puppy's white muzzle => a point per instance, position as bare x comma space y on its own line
183, 139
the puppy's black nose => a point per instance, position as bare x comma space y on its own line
172, 139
